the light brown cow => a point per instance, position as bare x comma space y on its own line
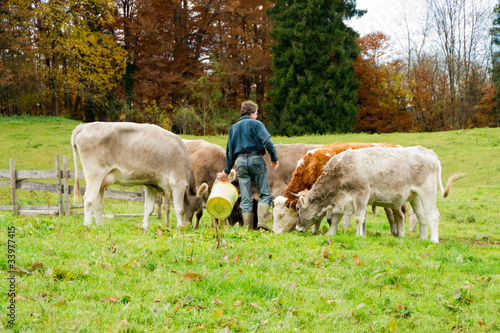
386, 177
135, 154
307, 172
207, 159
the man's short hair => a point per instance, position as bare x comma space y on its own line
248, 107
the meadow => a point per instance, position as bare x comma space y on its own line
117, 277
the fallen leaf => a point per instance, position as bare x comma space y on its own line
178, 307
293, 285
235, 259
324, 252
218, 301
238, 303
401, 306
193, 277
217, 314
255, 305
393, 325
225, 258
355, 260
342, 244
123, 324
110, 300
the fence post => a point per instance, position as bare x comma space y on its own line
66, 185
59, 188
13, 186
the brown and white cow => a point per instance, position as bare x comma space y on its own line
309, 168
135, 154
288, 155
377, 176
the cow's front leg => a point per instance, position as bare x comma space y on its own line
399, 219
149, 205
392, 222
347, 221
360, 219
315, 228
334, 223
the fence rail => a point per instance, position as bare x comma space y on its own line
18, 180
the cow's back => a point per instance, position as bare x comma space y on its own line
311, 166
288, 155
207, 159
380, 170
142, 150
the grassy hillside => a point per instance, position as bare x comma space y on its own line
120, 278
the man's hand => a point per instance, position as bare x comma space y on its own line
223, 176
275, 165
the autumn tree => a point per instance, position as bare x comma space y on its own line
495, 70
383, 95
461, 27
22, 88
314, 89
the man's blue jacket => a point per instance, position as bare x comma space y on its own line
248, 136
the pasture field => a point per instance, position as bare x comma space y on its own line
120, 278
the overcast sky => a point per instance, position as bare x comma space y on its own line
388, 16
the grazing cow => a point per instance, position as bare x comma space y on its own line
289, 155
378, 176
135, 154
206, 160
309, 168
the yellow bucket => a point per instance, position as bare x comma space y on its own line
222, 199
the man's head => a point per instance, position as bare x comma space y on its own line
248, 108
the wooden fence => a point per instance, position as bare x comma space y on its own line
17, 179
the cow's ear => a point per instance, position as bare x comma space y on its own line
232, 175
303, 201
202, 190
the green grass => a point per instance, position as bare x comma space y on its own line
120, 278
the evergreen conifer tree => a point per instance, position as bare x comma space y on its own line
314, 88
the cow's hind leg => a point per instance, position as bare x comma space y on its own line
392, 222
413, 220
91, 197
423, 220
149, 205
99, 218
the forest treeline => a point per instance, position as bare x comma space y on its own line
188, 65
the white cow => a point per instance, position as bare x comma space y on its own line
135, 154
384, 177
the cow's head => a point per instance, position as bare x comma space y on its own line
285, 217
309, 213
192, 203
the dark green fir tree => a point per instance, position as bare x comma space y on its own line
314, 88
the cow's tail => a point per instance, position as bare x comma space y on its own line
76, 197
446, 190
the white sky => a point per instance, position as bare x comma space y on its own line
398, 18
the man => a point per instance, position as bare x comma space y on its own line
247, 143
